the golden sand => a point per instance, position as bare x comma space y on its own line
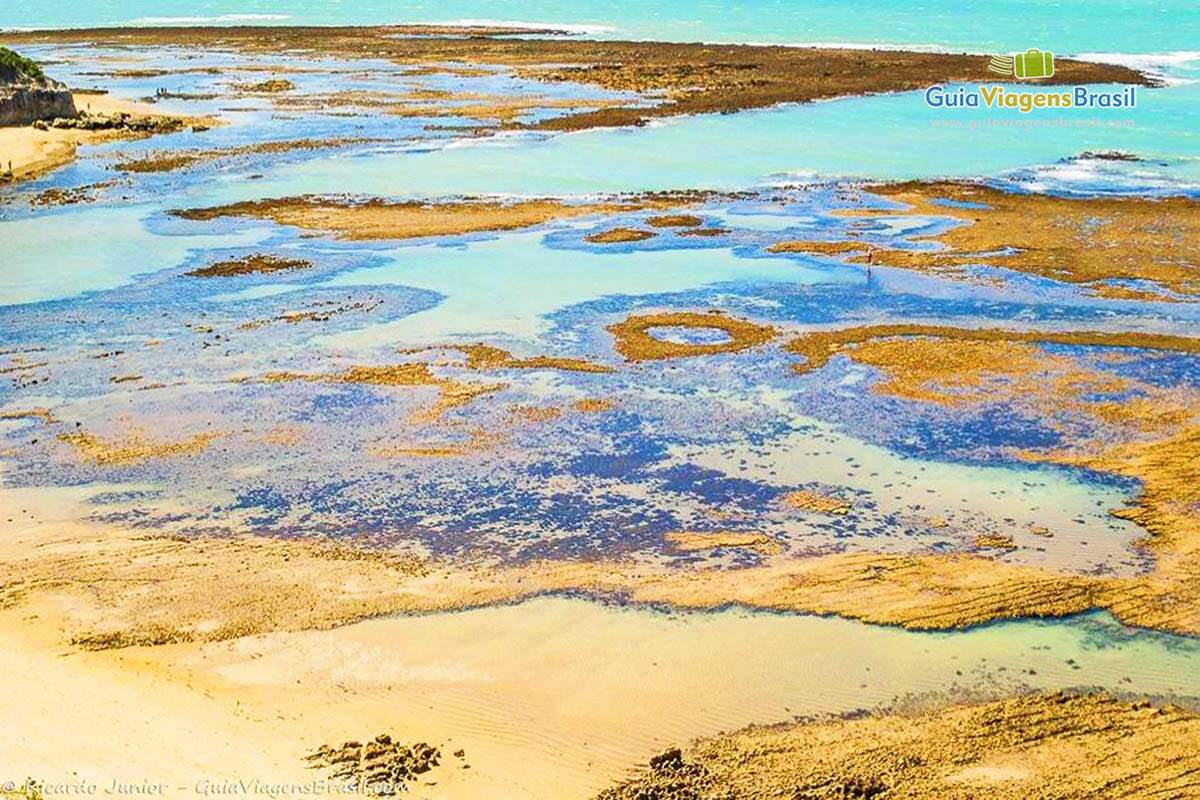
1088, 241
690, 541
814, 501
634, 342
134, 449
1028, 748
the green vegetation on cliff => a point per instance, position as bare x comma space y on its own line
14, 66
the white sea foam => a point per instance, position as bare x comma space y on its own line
515, 23
1164, 66
914, 47
210, 20
1092, 176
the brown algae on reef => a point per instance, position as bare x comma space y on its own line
818, 347
669, 78
818, 248
1094, 242
675, 221
249, 265
618, 235
374, 218
633, 340
481, 356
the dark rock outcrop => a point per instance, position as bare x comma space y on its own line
26, 94
118, 121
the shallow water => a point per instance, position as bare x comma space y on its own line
885, 137
686, 447
554, 694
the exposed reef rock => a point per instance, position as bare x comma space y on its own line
120, 121
1041, 746
381, 767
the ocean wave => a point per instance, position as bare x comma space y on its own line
890, 46
209, 20
1164, 66
515, 23
1100, 176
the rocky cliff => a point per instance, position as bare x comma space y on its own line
26, 94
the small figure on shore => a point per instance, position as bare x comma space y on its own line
870, 259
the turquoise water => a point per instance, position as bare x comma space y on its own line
1122, 26
888, 136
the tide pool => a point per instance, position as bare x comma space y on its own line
90, 249
509, 285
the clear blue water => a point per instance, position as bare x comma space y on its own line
887, 136
1073, 26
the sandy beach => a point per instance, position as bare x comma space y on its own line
27, 152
